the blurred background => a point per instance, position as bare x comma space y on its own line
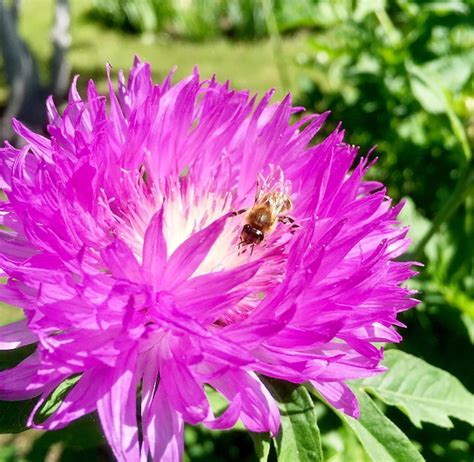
397, 73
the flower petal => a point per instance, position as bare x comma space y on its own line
16, 335
154, 250
228, 418
121, 262
259, 410
164, 429
339, 395
19, 382
117, 410
186, 395
189, 255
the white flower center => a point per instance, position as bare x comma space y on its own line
186, 211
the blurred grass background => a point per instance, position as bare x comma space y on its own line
248, 64
397, 73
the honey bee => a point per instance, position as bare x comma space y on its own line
269, 209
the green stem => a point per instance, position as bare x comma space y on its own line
387, 25
275, 38
464, 187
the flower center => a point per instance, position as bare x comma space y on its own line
188, 208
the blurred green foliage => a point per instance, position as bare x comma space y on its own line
399, 75
198, 19
393, 72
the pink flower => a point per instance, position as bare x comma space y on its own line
122, 249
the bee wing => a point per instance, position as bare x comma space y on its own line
277, 202
258, 190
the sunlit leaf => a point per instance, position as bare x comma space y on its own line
446, 6
458, 299
468, 322
365, 7
435, 99
453, 71
342, 445
426, 90
299, 439
419, 225
380, 437
423, 392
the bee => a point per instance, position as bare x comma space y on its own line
269, 209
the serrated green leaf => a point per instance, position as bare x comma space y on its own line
380, 437
423, 392
299, 439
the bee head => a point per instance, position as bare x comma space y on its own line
251, 235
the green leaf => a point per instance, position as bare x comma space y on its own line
56, 398
469, 324
423, 392
262, 444
419, 225
436, 99
454, 71
446, 7
342, 445
457, 298
426, 90
353, 449
365, 7
299, 439
380, 437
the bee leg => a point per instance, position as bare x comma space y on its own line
251, 249
257, 190
241, 247
239, 212
241, 252
287, 220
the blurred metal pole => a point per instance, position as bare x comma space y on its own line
21, 72
60, 68
15, 9
27, 96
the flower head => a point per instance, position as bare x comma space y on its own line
176, 237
